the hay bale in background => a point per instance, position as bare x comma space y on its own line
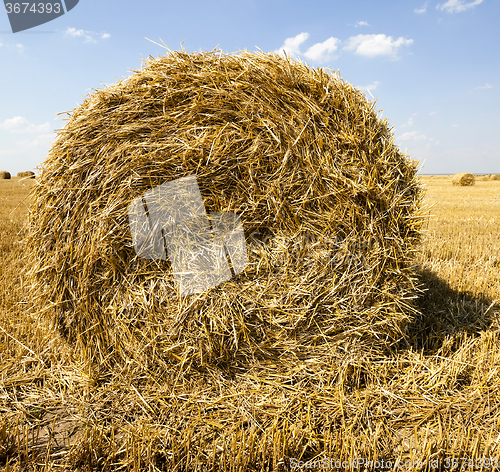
28, 174
486, 177
464, 179
4, 174
495, 177
329, 205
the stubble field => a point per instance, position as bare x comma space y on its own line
435, 398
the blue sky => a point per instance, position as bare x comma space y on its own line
433, 66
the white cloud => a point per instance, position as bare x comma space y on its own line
42, 140
89, 36
10, 47
413, 136
368, 45
486, 86
455, 6
408, 123
372, 45
454, 126
432, 113
25, 153
361, 23
421, 10
369, 87
19, 124
322, 52
74, 32
24, 145
291, 46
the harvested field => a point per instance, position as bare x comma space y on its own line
437, 390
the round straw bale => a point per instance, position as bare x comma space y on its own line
495, 177
486, 177
329, 206
28, 174
4, 174
464, 179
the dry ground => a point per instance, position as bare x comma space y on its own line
436, 398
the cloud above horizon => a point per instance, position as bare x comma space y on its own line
456, 6
319, 52
291, 46
421, 10
373, 45
408, 124
322, 52
416, 136
18, 47
369, 88
19, 124
367, 45
25, 142
88, 36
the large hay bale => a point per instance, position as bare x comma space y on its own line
495, 177
4, 174
330, 209
464, 179
28, 174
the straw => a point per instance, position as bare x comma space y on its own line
329, 206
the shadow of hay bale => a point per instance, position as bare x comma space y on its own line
446, 312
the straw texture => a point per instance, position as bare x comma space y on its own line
329, 205
4, 174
